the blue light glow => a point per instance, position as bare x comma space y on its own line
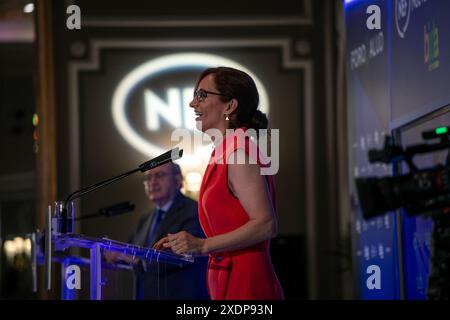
348, 2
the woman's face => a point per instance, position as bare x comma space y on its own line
209, 110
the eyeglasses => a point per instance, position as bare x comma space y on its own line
158, 176
201, 94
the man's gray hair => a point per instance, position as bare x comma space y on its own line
176, 168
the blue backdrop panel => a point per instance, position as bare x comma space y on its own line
420, 72
420, 58
374, 241
417, 230
395, 75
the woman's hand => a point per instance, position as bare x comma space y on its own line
183, 242
159, 245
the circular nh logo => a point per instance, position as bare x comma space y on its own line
153, 99
402, 14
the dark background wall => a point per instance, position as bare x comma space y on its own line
17, 159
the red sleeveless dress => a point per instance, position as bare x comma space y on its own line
245, 274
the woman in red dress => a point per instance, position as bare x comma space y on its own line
236, 202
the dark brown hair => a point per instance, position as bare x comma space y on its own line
236, 84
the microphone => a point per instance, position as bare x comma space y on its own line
171, 155
114, 210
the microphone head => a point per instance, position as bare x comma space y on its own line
166, 157
176, 153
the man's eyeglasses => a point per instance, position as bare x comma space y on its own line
201, 94
158, 176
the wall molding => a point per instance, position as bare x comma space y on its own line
305, 19
194, 23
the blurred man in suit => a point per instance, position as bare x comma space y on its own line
173, 212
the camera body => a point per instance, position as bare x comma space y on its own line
425, 191
419, 192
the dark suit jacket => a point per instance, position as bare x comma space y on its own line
165, 281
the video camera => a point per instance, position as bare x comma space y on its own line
424, 191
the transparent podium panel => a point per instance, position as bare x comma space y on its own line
118, 280
86, 274
119, 283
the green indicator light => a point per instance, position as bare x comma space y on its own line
441, 130
35, 120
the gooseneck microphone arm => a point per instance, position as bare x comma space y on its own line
169, 156
81, 192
